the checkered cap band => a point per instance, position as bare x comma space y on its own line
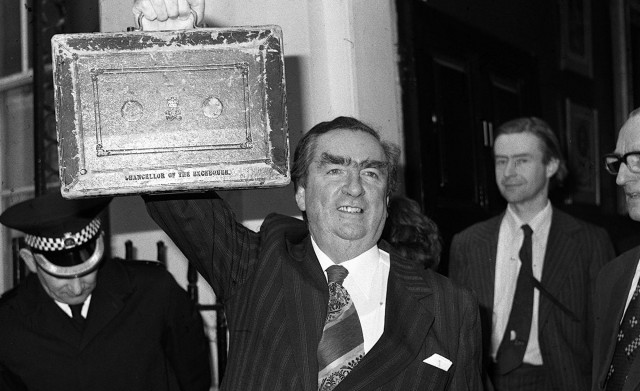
68, 241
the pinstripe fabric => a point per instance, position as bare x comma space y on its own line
275, 297
525, 378
612, 288
575, 253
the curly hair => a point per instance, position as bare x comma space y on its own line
412, 234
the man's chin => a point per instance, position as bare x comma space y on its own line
76, 300
633, 207
634, 213
511, 197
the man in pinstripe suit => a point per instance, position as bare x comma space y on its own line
566, 256
420, 331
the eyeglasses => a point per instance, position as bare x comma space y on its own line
612, 162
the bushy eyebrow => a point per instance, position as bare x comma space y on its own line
521, 155
327, 158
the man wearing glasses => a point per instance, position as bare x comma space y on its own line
617, 306
533, 268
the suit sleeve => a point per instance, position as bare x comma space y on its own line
468, 371
457, 265
205, 229
602, 252
185, 343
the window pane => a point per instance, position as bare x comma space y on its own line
16, 149
10, 47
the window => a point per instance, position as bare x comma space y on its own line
16, 116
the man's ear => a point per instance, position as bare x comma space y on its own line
387, 207
300, 194
552, 167
29, 260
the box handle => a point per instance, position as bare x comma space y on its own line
139, 26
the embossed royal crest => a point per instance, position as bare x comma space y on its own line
173, 110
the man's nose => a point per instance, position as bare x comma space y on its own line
353, 187
75, 285
510, 168
624, 175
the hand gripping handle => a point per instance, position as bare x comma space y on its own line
193, 17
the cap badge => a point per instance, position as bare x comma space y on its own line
69, 240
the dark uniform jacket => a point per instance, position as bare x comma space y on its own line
141, 333
575, 253
275, 296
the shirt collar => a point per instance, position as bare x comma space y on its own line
360, 268
66, 307
537, 223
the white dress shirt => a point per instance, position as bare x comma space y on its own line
508, 265
67, 309
634, 283
367, 286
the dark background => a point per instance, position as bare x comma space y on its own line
469, 65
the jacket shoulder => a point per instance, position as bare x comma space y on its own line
7, 297
281, 226
571, 222
450, 291
481, 228
627, 260
139, 272
590, 237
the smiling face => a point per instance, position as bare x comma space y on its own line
521, 174
629, 141
345, 195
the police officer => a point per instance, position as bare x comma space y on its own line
80, 321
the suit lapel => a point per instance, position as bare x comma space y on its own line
306, 291
484, 271
47, 317
407, 323
559, 258
108, 299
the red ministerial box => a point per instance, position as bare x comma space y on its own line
167, 111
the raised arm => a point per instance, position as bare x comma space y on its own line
205, 229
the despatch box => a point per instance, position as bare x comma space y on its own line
145, 112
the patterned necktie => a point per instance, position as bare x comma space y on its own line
342, 344
76, 315
516, 336
626, 347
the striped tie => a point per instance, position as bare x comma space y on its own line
342, 344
